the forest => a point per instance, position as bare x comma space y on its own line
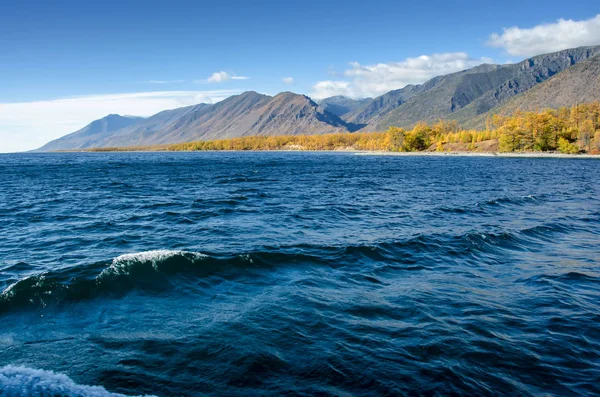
566, 130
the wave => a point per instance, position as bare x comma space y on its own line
145, 270
16, 381
481, 206
154, 271
566, 278
510, 200
125, 264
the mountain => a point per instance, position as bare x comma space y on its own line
92, 133
382, 105
465, 95
246, 114
552, 80
341, 105
147, 130
578, 84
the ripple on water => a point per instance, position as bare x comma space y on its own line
298, 274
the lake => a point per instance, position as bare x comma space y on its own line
186, 274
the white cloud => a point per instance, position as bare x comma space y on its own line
287, 80
327, 88
219, 77
377, 79
548, 37
29, 125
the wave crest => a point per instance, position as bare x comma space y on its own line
154, 271
122, 265
22, 381
145, 270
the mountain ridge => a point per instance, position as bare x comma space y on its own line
89, 134
481, 88
341, 105
468, 96
578, 84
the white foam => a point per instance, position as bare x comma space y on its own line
121, 264
22, 381
9, 291
155, 255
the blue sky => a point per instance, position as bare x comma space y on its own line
136, 57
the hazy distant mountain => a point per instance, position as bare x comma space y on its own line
467, 94
247, 114
94, 132
242, 115
552, 80
341, 105
380, 106
146, 131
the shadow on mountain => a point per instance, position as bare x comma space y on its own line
353, 127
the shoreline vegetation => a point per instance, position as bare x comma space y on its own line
560, 132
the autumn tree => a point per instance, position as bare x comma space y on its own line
417, 138
511, 135
394, 139
586, 133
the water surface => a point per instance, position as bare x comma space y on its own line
298, 274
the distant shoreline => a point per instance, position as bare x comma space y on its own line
360, 153
485, 154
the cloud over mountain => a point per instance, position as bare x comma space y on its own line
377, 79
548, 37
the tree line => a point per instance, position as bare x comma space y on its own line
568, 130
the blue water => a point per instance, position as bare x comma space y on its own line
237, 274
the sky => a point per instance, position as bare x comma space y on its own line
64, 64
